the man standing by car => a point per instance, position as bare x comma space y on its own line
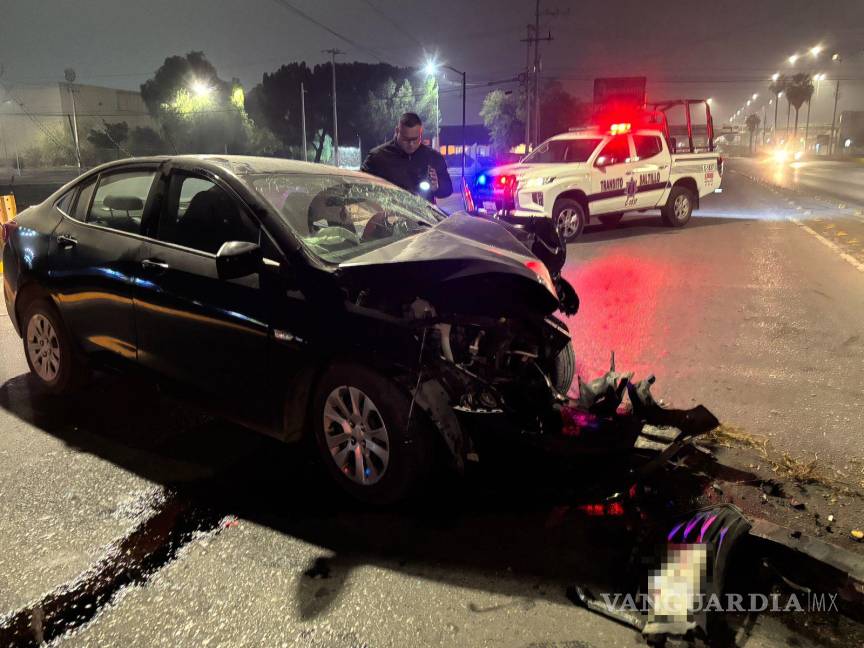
408, 163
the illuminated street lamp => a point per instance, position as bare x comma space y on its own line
755, 96
431, 69
793, 59
201, 89
709, 100
815, 50
775, 76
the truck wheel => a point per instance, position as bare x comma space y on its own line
610, 220
569, 218
364, 440
564, 369
678, 208
49, 350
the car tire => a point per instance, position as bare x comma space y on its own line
393, 463
569, 218
51, 355
679, 207
610, 220
564, 369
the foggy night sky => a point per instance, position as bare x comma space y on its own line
727, 49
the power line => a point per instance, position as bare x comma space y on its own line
388, 18
287, 5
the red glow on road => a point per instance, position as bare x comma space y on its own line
626, 300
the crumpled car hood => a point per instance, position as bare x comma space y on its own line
458, 248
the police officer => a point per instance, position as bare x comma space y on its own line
408, 163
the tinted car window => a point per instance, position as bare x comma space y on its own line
616, 151
647, 146
120, 199
200, 215
82, 202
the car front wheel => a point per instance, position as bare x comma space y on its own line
569, 218
364, 437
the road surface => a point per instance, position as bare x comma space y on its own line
755, 309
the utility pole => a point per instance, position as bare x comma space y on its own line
527, 80
538, 65
764, 121
834, 118
333, 53
303, 121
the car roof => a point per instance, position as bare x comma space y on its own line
236, 164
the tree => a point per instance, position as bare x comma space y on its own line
500, 114
799, 90
777, 87
752, 122
197, 111
108, 141
370, 98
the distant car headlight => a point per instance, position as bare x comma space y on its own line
781, 155
536, 183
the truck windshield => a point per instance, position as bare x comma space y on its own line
564, 150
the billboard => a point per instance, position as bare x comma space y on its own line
619, 91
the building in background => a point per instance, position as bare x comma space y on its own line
31, 115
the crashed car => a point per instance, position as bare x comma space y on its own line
314, 303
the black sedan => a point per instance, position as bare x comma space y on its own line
314, 303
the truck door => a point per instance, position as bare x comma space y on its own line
651, 171
611, 177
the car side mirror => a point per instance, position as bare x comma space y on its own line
237, 259
603, 161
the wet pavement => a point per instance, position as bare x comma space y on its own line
743, 311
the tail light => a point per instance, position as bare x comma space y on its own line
7, 229
542, 272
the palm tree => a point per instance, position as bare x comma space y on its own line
752, 122
776, 87
799, 90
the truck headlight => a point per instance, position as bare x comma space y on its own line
535, 183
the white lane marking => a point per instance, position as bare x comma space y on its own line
855, 263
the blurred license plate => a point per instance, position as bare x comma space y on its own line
489, 205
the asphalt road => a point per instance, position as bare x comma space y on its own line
754, 309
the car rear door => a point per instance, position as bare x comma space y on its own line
98, 248
193, 326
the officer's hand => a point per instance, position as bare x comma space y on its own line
433, 180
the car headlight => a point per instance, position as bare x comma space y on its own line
535, 183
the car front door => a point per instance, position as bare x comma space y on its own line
651, 171
98, 253
612, 182
193, 326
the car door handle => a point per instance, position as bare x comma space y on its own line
64, 241
154, 264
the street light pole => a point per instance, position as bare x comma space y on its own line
834, 118
69, 73
333, 53
303, 121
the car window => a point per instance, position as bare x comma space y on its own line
64, 204
82, 202
200, 215
119, 200
566, 150
616, 151
647, 146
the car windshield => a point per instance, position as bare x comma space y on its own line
563, 150
339, 217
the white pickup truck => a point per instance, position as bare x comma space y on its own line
576, 176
